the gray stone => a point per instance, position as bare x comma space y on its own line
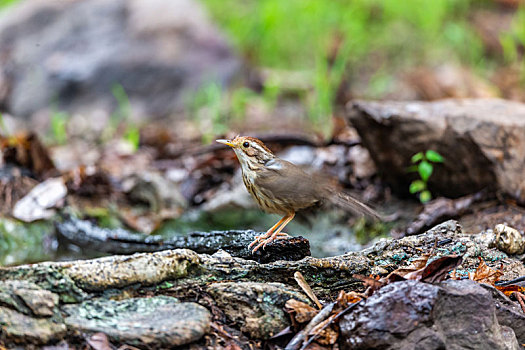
256, 307
155, 321
482, 141
72, 53
415, 315
16, 327
509, 313
28, 298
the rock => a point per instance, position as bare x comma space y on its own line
120, 271
509, 239
74, 54
86, 235
16, 327
410, 314
28, 313
28, 298
482, 141
508, 312
155, 321
245, 294
267, 318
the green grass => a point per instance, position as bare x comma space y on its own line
5, 3
333, 40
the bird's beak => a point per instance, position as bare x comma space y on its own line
225, 142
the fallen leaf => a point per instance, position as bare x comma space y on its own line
485, 274
508, 290
435, 271
438, 269
27, 151
40, 201
299, 278
326, 335
231, 345
371, 283
346, 298
302, 311
99, 341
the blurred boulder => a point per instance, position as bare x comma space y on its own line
482, 141
72, 54
415, 315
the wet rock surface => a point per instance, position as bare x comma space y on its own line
156, 321
85, 234
256, 307
19, 328
482, 141
63, 52
410, 314
47, 302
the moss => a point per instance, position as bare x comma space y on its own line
49, 277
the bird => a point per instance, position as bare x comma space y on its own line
281, 187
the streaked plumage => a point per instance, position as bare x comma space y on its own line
281, 187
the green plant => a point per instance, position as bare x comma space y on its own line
423, 164
3, 127
338, 40
59, 127
6, 3
208, 107
513, 41
121, 116
239, 100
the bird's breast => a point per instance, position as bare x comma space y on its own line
269, 205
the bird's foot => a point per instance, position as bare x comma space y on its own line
265, 236
264, 240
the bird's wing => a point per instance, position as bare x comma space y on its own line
288, 183
305, 189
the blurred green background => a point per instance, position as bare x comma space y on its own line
330, 45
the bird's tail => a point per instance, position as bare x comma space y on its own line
349, 203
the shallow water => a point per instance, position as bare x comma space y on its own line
329, 233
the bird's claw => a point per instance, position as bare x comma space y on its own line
264, 240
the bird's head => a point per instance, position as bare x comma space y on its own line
251, 152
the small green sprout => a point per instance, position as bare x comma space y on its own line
58, 127
423, 165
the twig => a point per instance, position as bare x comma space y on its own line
506, 283
329, 323
299, 278
521, 299
299, 338
221, 331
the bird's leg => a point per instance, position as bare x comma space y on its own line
269, 232
285, 220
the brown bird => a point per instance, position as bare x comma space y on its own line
281, 187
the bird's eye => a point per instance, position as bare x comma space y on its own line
246, 145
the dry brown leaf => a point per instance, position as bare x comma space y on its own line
508, 290
99, 341
231, 345
326, 335
299, 278
438, 269
27, 151
485, 274
420, 262
346, 298
40, 202
372, 283
127, 347
303, 312
435, 271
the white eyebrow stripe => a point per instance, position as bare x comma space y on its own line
257, 147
